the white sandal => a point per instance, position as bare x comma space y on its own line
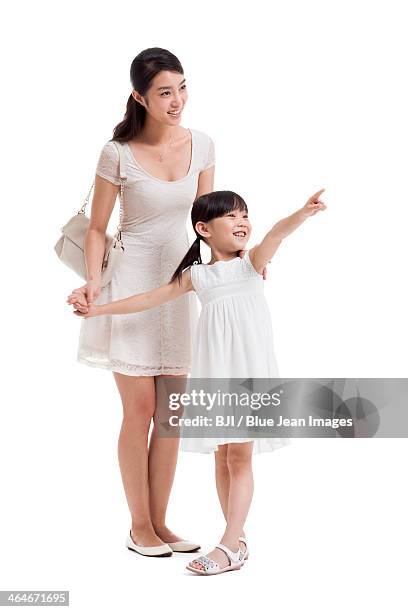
243, 540
211, 567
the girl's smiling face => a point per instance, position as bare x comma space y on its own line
227, 234
166, 97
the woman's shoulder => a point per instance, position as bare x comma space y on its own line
205, 149
110, 148
108, 162
202, 137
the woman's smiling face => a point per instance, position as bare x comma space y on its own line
166, 97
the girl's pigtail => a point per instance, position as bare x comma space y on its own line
193, 256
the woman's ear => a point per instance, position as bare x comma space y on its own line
136, 95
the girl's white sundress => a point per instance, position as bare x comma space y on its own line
156, 341
234, 336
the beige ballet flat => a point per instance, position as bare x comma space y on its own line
184, 546
163, 550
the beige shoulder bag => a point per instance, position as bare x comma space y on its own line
70, 246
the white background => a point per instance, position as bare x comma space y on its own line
297, 96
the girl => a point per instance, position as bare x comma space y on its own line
234, 324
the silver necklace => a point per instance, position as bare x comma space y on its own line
161, 155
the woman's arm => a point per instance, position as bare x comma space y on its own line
261, 254
206, 176
142, 301
205, 181
103, 203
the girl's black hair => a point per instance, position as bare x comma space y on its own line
205, 208
144, 68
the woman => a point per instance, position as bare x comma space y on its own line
167, 167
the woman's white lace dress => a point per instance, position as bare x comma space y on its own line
157, 341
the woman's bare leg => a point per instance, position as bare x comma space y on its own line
138, 400
241, 486
163, 454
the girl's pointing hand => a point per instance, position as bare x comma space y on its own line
314, 204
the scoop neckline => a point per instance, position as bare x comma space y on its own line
156, 178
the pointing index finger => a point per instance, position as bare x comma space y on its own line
317, 194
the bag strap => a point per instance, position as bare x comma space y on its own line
123, 179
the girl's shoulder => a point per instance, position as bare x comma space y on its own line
195, 274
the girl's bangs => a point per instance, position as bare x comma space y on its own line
216, 204
229, 202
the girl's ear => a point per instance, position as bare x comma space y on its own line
202, 229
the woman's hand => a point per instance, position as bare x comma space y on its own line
242, 253
313, 205
83, 296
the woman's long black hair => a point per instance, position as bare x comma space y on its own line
144, 68
206, 207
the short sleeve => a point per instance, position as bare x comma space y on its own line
108, 163
248, 266
194, 276
210, 158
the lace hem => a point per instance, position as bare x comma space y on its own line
115, 365
261, 445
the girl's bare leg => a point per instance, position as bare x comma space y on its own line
163, 454
138, 400
241, 491
222, 477
222, 481
241, 486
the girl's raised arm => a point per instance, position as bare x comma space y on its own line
262, 253
142, 301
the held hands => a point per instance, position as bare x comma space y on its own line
313, 205
83, 297
92, 310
